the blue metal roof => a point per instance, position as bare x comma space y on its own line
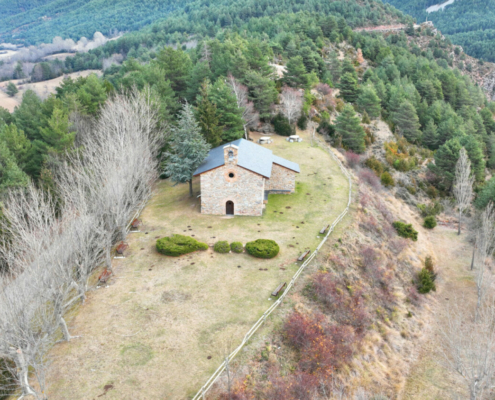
286, 163
250, 156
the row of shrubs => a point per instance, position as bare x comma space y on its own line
178, 245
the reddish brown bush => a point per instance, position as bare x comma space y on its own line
368, 176
370, 224
387, 215
300, 385
364, 199
323, 89
322, 347
353, 159
346, 308
369, 256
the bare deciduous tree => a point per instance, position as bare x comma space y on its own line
249, 115
469, 346
463, 184
291, 100
50, 247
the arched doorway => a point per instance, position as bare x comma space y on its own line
229, 208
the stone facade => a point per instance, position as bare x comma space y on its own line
282, 179
239, 190
245, 189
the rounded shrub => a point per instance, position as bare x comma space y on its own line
281, 125
222, 247
236, 247
263, 248
426, 281
430, 222
387, 179
302, 122
405, 230
177, 245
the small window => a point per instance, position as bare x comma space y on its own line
231, 155
231, 175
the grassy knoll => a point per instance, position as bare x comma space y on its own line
164, 324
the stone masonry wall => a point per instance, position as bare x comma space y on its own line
245, 189
281, 179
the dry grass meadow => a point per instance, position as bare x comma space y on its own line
42, 89
163, 325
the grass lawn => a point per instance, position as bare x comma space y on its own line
163, 325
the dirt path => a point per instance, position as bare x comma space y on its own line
428, 380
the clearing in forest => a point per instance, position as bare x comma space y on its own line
163, 325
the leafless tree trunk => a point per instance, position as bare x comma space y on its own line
249, 115
463, 184
291, 100
52, 248
469, 346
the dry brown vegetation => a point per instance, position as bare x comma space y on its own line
163, 324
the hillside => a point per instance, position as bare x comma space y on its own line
469, 23
38, 22
384, 117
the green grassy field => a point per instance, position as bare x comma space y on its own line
164, 324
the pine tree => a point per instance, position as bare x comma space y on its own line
407, 121
176, 64
475, 154
262, 92
295, 75
11, 89
189, 148
335, 67
369, 101
11, 175
199, 73
348, 68
17, 143
348, 88
207, 116
349, 128
57, 135
430, 136
230, 115
445, 161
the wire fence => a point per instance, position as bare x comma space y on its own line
209, 383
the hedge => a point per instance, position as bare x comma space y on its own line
281, 125
236, 247
263, 248
177, 245
405, 230
222, 247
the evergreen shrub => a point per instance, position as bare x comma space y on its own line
426, 281
222, 247
374, 164
430, 222
236, 247
302, 122
387, 179
405, 230
177, 245
281, 125
263, 248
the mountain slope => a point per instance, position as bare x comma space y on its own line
41, 21
469, 23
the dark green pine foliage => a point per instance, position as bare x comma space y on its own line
262, 92
369, 101
445, 161
407, 121
475, 153
176, 65
295, 75
335, 67
11, 176
349, 128
348, 87
188, 148
230, 116
207, 116
430, 136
